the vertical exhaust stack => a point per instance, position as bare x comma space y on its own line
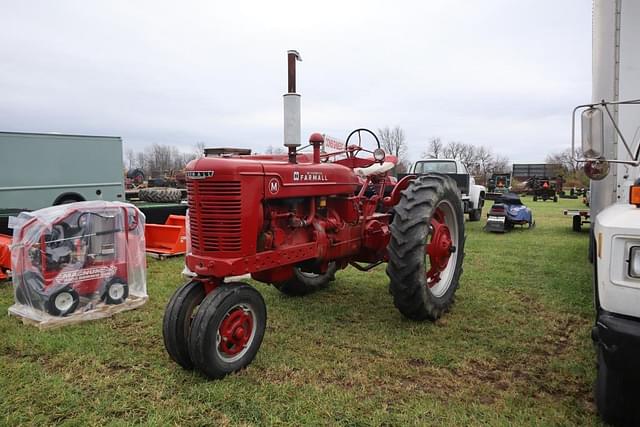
292, 127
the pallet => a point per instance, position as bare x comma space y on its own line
43, 321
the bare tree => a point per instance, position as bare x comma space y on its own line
500, 165
480, 161
393, 141
159, 159
198, 149
566, 160
130, 157
274, 150
435, 148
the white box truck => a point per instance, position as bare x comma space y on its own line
610, 136
39, 170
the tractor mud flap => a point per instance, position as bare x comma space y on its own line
495, 224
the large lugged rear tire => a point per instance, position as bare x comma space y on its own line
227, 330
426, 250
176, 324
160, 195
303, 283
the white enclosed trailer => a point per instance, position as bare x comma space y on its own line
611, 141
39, 170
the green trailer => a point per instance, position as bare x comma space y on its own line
40, 169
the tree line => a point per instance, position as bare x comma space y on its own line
158, 159
479, 160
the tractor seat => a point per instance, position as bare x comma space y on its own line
375, 169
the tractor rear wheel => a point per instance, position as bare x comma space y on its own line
427, 248
227, 331
176, 325
160, 195
304, 283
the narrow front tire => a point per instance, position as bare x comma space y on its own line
176, 324
227, 330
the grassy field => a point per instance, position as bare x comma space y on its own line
515, 350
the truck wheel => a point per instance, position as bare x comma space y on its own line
160, 195
611, 399
227, 330
304, 283
116, 291
176, 324
577, 223
475, 215
62, 302
426, 248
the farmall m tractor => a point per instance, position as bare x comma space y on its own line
292, 221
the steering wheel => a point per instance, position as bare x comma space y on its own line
353, 150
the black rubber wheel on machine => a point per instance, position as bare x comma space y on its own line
577, 223
411, 232
160, 195
21, 296
535, 198
475, 215
303, 283
614, 398
555, 199
176, 324
227, 331
62, 302
116, 291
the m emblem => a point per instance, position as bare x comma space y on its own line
274, 186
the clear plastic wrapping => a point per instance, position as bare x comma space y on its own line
78, 261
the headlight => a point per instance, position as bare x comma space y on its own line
378, 154
634, 261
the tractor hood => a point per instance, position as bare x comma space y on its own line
281, 179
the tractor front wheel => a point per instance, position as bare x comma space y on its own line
427, 248
304, 283
176, 324
227, 330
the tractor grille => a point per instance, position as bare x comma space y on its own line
215, 215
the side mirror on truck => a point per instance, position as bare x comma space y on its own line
593, 143
592, 133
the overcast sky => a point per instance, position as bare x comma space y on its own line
504, 74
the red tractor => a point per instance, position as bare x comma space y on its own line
294, 220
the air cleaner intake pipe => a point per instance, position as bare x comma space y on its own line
292, 108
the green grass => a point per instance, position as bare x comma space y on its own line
514, 350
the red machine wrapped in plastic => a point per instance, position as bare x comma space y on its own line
70, 259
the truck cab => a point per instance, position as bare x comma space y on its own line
473, 196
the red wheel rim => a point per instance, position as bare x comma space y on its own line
235, 332
439, 248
